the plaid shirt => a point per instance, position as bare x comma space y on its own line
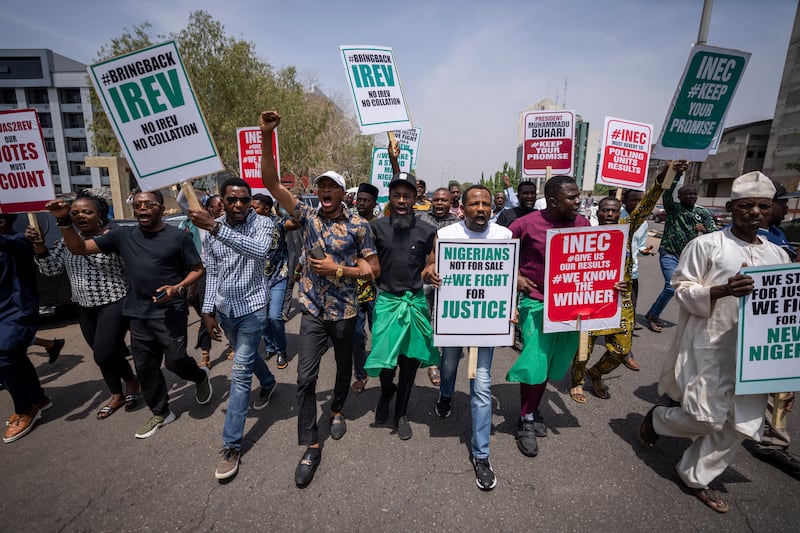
235, 262
345, 238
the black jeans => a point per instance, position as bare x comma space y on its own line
313, 343
405, 382
104, 328
154, 340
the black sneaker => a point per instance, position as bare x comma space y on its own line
403, 428
442, 408
538, 424
484, 475
526, 438
264, 397
281, 361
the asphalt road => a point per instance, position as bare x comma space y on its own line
75, 473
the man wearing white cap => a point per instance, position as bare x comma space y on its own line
700, 373
339, 250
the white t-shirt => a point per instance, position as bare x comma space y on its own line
460, 231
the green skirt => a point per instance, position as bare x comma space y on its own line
400, 325
544, 356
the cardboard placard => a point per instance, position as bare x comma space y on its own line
26, 183
249, 149
549, 142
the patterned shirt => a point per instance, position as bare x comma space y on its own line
96, 280
679, 226
235, 262
277, 267
346, 238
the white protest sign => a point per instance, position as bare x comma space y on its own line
549, 141
768, 350
409, 139
151, 106
477, 299
382, 170
700, 102
375, 86
583, 265
25, 180
625, 153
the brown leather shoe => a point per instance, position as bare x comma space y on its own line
631, 363
19, 425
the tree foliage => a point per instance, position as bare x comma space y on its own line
495, 181
233, 85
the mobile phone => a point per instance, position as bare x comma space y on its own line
317, 252
161, 295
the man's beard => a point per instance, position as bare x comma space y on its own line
402, 221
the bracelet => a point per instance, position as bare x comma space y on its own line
214, 230
64, 222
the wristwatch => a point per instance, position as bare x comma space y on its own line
181, 290
339, 272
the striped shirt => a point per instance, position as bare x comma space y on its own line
235, 262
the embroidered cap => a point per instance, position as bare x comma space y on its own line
752, 185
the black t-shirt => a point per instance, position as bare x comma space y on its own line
403, 254
510, 215
152, 259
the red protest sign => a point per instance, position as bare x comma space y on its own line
583, 266
549, 139
249, 143
625, 153
25, 181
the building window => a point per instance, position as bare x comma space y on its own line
45, 120
50, 144
73, 120
54, 168
76, 168
762, 154
76, 144
69, 96
37, 96
8, 96
750, 154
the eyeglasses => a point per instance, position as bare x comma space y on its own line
233, 199
145, 204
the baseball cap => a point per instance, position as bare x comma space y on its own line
335, 176
403, 177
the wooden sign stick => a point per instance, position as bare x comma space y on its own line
583, 342
191, 197
670, 177
472, 362
33, 221
779, 410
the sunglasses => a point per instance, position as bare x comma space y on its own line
145, 204
233, 199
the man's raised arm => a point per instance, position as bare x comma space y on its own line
268, 121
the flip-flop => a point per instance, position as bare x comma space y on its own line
654, 324
710, 497
106, 411
130, 401
599, 389
576, 393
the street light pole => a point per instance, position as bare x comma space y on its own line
705, 21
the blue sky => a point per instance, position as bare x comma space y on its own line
468, 68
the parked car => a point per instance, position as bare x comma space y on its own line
659, 214
720, 216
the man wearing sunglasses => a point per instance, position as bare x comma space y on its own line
161, 261
236, 249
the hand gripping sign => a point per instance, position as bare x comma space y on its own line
583, 266
25, 180
249, 147
625, 154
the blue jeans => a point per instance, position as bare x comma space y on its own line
668, 264
363, 318
275, 333
480, 394
244, 334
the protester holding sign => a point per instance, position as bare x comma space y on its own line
701, 372
549, 356
476, 225
339, 250
161, 261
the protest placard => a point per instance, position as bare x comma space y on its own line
768, 349
26, 183
477, 298
625, 153
249, 149
376, 89
700, 102
382, 169
154, 113
549, 139
582, 267
409, 139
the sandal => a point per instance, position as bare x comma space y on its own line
709, 497
654, 324
107, 411
230, 353
434, 375
598, 387
576, 393
130, 401
205, 360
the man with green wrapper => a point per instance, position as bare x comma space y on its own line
402, 336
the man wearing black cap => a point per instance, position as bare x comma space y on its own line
366, 199
340, 250
402, 336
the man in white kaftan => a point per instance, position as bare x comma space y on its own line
700, 373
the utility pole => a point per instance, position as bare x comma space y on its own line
705, 21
